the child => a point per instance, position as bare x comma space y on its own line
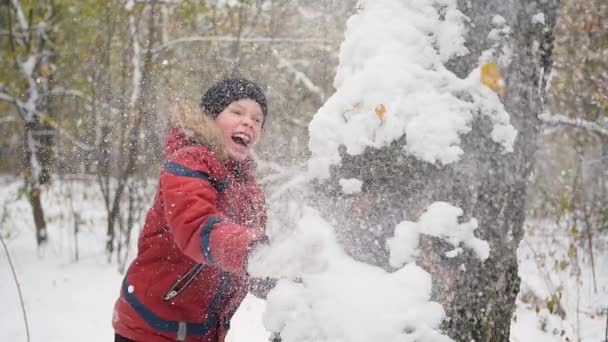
189, 276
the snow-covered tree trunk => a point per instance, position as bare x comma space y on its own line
29, 33
484, 300
484, 181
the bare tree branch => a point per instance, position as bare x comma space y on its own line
7, 97
60, 91
67, 135
230, 39
7, 119
21, 18
562, 120
10, 262
300, 76
62, 132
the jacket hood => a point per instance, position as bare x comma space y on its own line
192, 126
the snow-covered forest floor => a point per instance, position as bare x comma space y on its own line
69, 300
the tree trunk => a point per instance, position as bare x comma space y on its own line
143, 107
35, 68
36, 174
486, 183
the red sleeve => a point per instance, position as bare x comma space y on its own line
198, 227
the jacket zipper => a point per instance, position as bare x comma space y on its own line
183, 282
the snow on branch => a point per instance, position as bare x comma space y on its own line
7, 119
21, 107
21, 17
60, 91
135, 60
162, 2
562, 120
65, 134
299, 76
7, 98
28, 111
229, 39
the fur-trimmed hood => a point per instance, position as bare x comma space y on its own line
192, 126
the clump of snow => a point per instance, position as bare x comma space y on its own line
538, 18
351, 186
342, 299
303, 251
29, 65
501, 50
129, 5
392, 58
439, 220
498, 20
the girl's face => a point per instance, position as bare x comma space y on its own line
240, 126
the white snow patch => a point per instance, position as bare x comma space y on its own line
129, 5
351, 186
439, 220
538, 18
29, 65
498, 20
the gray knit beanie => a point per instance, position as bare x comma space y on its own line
223, 93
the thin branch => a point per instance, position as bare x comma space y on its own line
562, 120
10, 263
60, 91
135, 60
161, 2
230, 39
299, 76
14, 101
8, 98
62, 132
6, 120
21, 18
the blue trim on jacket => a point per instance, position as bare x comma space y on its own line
208, 226
180, 170
193, 329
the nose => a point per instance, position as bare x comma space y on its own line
248, 121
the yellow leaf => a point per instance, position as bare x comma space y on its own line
47, 120
572, 251
380, 111
491, 78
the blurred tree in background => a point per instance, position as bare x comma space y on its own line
570, 182
92, 82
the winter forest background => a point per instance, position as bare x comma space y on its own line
435, 170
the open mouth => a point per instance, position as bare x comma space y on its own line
241, 139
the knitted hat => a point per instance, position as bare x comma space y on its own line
223, 93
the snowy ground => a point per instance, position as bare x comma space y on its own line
67, 300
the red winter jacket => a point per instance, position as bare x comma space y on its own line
189, 276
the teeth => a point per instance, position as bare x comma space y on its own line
245, 137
